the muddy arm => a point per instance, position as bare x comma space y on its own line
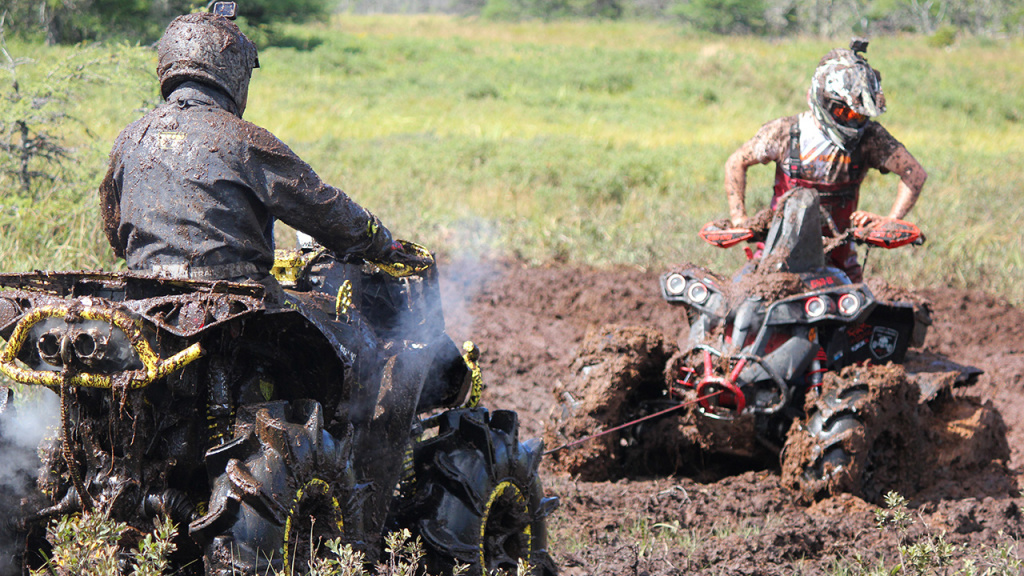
764, 147
736, 183
912, 179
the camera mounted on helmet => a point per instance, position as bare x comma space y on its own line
228, 10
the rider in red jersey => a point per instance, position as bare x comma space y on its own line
830, 148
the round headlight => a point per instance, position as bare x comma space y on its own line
815, 307
849, 304
675, 284
698, 293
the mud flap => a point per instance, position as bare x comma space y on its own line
382, 446
884, 337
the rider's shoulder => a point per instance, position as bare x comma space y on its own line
777, 130
780, 125
878, 143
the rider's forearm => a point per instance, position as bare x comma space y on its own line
912, 178
735, 189
907, 192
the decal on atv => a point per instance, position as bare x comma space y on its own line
883, 341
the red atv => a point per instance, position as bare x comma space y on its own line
788, 359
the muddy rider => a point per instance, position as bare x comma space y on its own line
193, 190
830, 148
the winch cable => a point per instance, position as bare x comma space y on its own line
630, 423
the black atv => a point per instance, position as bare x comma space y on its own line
264, 429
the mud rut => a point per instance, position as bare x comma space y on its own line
738, 519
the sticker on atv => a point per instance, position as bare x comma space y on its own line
883, 342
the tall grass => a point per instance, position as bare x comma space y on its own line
603, 143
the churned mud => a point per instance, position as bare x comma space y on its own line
547, 331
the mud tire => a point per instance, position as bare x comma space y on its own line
835, 443
477, 498
281, 469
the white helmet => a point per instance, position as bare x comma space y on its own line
845, 93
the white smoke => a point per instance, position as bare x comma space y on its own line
35, 415
466, 274
32, 416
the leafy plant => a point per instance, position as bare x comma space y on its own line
404, 558
930, 553
89, 545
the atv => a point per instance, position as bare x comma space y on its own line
263, 428
759, 342
777, 363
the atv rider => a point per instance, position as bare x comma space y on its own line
193, 190
830, 148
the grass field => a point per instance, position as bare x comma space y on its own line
600, 143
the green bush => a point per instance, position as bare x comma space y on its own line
143, 21
722, 16
943, 37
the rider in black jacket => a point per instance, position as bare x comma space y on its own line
193, 190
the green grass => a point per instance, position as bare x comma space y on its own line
603, 143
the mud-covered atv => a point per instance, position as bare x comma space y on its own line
774, 363
264, 429
760, 341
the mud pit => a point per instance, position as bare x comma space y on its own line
736, 516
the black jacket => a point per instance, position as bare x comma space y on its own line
193, 186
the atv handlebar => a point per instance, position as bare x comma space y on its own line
888, 233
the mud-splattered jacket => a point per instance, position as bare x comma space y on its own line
193, 187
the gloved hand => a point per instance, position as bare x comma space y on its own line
405, 258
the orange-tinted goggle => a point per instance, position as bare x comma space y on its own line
846, 115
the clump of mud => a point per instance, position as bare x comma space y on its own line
615, 370
867, 432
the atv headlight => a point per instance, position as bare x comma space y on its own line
675, 284
815, 307
849, 304
698, 293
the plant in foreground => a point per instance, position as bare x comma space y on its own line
88, 545
931, 554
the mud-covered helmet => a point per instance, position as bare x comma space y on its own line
845, 93
206, 48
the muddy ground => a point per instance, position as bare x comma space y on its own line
530, 323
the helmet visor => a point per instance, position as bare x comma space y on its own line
846, 116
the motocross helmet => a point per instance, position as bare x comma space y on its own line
206, 48
845, 93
